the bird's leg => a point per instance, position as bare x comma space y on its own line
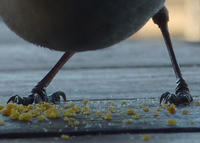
182, 94
39, 92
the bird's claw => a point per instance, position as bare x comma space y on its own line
179, 98
38, 97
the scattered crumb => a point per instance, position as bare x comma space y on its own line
1, 107
171, 122
159, 109
185, 112
156, 113
2, 122
146, 137
198, 103
41, 118
25, 117
111, 109
146, 109
137, 117
111, 102
128, 121
192, 122
65, 137
131, 112
85, 102
124, 103
172, 109
165, 106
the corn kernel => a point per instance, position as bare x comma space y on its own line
192, 122
86, 111
52, 113
1, 107
65, 137
85, 102
185, 112
111, 102
146, 109
128, 121
172, 109
131, 112
124, 103
159, 109
198, 103
137, 117
111, 109
2, 122
25, 117
14, 114
165, 106
146, 137
156, 114
171, 122
41, 118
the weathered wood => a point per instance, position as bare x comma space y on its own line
128, 138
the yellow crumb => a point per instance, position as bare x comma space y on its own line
2, 122
111, 102
128, 121
65, 137
172, 109
121, 111
165, 106
192, 122
86, 111
5, 112
131, 112
159, 109
14, 114
171, 122
146, 137
185, 112
85, 102
111, 109
1, 107
198, 103
137, 117
146, 109
156, 114
41, 118
52, 113
124, 103
98, 114
71, 121
25, 117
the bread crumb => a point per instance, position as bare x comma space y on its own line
171, 122
185, 112
2, 122
172, 109
65, 137
146, 137
146, 109
131, 112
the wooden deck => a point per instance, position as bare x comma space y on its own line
136, 71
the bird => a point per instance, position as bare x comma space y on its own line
74, 26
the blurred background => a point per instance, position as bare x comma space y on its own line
184, 22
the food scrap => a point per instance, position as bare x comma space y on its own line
146, 137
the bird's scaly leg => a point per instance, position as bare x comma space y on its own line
182, 94
39, 91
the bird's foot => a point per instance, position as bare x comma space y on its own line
182, 95
38, 96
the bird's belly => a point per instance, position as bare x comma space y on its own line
77, 25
